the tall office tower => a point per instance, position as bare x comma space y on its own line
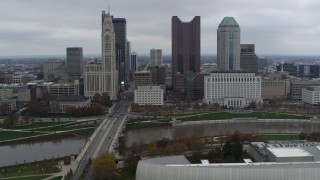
185, 55
133, 61
155, 57
75, 61
228, 44
128, 57
100, 78
120, 29
248, 58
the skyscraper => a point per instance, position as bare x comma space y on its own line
120, 29
185, 55
74, 61
248, 58
155, 57
228, 44
128, 57
133, 61
100, 78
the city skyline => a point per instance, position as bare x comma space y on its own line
48, 27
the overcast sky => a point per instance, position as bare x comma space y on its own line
47, 27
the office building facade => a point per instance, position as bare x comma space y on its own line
262, 63
228, 44
75, 61
155, 57
311, 95
134, 62
248, 58
142, 78
50, 67
158, 74
232, 89
120, 29
149, 95
185, 55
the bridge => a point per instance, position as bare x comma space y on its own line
105, 137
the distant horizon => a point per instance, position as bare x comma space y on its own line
99, 55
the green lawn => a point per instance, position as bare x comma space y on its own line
29, 169
8, 135
33, 125
40, 177
62, 128
278, 137
57, 178
125, 176
227, 115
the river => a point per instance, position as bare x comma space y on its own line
145, 135
29, 152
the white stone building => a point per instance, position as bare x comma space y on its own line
149, 95
233, 89
311, 95
100, 78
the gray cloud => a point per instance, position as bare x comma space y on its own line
42, 27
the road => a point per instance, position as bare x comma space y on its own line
107, 132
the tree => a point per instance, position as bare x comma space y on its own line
237, 151
204, 106
134, 107
302, 136
105, 168
152, 149
196, 106
105, 99
215, 106
227, 149
97, 98
252, 105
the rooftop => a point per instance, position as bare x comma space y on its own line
290, 152
228, 21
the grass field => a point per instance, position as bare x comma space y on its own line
57, 178
227, 115
29, 169
34, 125
40, 177
44, 128
8, 135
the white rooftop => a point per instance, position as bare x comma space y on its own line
289, 152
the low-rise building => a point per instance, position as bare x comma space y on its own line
311, 95
64, 102
149, 95
273, 88
64, 89
5, 92
296, 87
142, 78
